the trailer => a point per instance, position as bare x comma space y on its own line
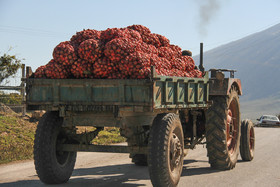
161, 118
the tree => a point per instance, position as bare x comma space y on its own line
9, 65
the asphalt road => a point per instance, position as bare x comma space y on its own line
111, 169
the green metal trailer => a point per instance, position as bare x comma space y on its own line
161, 117
117, 99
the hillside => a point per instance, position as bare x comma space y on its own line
256, 59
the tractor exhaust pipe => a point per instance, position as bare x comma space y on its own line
201, 68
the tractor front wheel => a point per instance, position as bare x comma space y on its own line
247, 145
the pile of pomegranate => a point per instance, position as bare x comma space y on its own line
117, 53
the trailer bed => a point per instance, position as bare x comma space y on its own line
88, 94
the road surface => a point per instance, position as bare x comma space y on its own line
112, 169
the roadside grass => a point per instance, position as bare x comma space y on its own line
108, 136
17, 137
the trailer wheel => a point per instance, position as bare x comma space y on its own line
166, 150
52, 166
223, 131
247, 145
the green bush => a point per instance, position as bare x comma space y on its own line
10, 99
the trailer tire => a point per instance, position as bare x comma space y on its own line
166, 150
52, 166
223, 131
247, 145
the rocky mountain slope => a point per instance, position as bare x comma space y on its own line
257, 61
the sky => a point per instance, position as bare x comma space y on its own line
32, 28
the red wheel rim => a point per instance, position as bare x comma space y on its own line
232, 127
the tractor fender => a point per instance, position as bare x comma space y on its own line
222, 87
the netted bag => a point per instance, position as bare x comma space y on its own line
90, 50
195, 73
148, 48
132, 34
176, 73
177, 50
83, 35
152, 39
189, 62
140, 28
117, 49
82, 69
112, 33
178, 63
166, 52
104, 68
40, 72
164, 42
64, 53
56, 70
133, 63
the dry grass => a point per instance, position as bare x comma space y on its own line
109, 135
16, 138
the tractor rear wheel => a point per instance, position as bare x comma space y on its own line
223, 131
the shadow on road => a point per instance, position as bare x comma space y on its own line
114, 175
127, 175
189, 170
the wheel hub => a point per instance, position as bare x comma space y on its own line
175, 151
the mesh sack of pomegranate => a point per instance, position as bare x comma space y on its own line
56, 70
117, 49
90, 50
82, 69
64, 53
83, 35
104, 68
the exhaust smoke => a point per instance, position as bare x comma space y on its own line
207, 10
